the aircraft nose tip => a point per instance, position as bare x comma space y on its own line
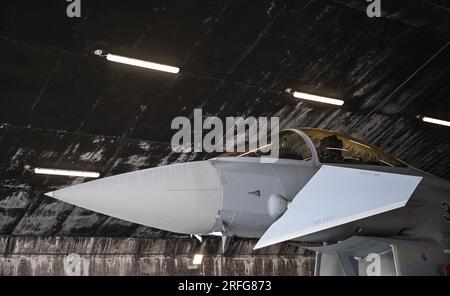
182, 198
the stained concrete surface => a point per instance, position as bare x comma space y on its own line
138, 256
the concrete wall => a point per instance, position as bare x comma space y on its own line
131, 256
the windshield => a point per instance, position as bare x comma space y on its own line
337, 148
291, 146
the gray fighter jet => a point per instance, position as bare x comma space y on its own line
363, 211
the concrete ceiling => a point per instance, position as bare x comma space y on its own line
61, 106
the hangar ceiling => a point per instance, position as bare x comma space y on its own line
61, 106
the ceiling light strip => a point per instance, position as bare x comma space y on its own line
141, 63
72, 173
319, 99
436, 121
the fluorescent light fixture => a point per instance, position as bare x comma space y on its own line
141, 63
315, 98
198, 258
435, 121
45, 171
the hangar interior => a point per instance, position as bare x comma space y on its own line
61, 106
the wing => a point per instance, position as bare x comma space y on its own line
337, 195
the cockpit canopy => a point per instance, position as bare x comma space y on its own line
334, 147
331, 147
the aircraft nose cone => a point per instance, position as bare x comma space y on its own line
183, 198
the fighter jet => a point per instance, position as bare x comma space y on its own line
361, 210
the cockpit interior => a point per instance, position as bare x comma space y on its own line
330, 147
